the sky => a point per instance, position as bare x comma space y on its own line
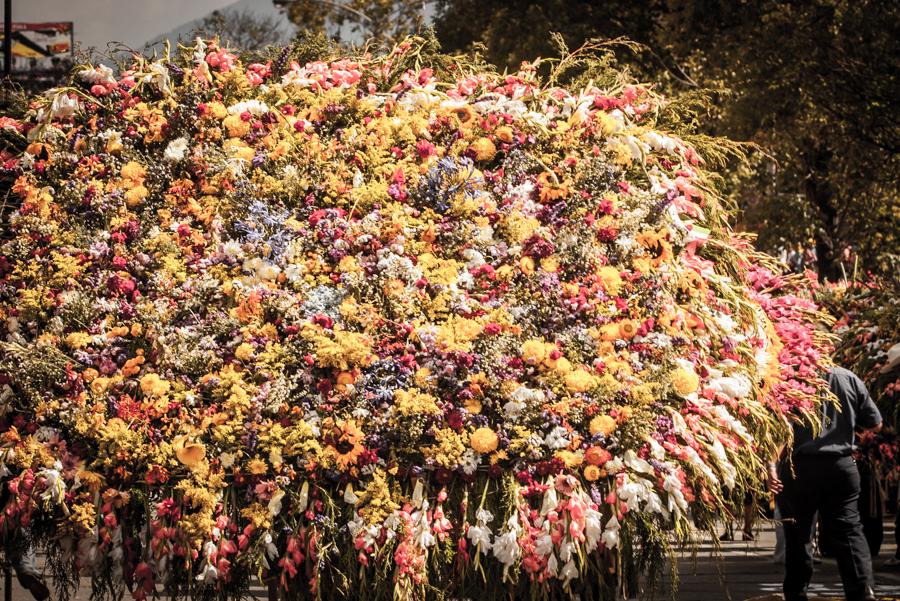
133, 22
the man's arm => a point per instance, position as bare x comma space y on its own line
868, 417
773, 480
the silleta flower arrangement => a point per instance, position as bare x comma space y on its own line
868, 323
378, 326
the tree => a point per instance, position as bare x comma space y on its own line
814, 83
245, 29
382, 20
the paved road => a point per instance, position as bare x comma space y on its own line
746, 570
742, 571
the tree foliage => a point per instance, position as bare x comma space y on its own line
244, 29
382, 20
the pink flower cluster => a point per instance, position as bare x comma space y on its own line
804, 356
321, 76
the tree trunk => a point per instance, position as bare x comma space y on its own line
820, 195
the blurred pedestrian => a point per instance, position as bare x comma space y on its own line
778, 554
893, 562
20, 554
748, 515
795, 259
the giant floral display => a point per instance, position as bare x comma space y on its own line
377, 326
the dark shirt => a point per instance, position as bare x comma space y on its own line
857, 410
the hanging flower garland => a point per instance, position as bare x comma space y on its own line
377, 326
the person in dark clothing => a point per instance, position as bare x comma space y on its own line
22, 559
871, 505
825, 479
893, 562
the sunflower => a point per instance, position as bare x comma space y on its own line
464, 114
345, 443
656, 245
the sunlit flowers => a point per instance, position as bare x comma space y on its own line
365, 325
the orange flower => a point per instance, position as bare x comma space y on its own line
190, 453
628, 328
610, 332
504, 134
550, 189
344, 379
597, 456
656, 245
132, 366
464, 114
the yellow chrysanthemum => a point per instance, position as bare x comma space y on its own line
484, 149
572, 459
609, 276
685, 381
534, 352
133, 171
580, 380
550, 264
78, 340
603, 425
136, 195
244, 351
154, 386
237, 127
484, 440
415, 402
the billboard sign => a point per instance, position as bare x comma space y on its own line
40, 46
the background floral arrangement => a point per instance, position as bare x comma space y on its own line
381, 325
868, 324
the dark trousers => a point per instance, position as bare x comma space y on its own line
829, 485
